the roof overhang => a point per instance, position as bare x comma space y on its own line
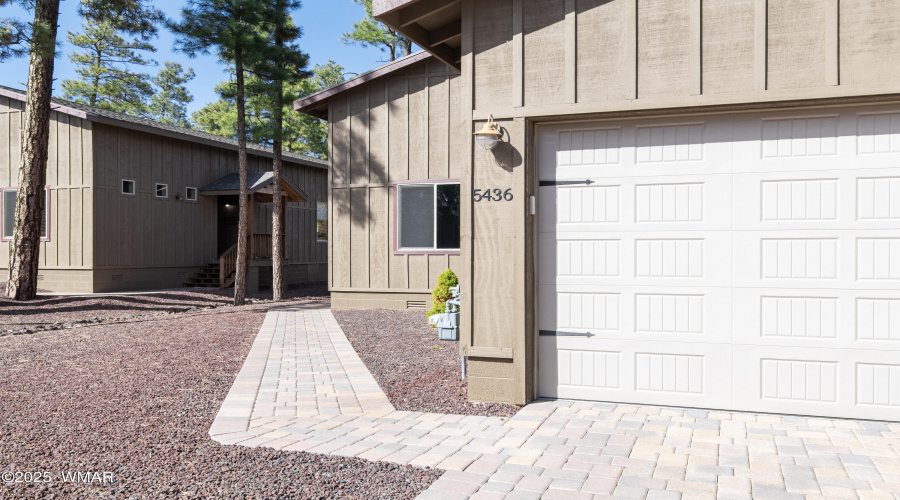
259, 183
20, 96
317, 104
434, 25
121, 120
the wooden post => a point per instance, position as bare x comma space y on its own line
251, 223
284, 239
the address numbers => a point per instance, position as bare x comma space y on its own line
492, 195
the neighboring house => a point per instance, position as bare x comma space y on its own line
136, 205
715, 219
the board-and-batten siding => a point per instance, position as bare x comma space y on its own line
394, 129
144, 231
69, 181
534, 58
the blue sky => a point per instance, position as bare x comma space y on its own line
323, 22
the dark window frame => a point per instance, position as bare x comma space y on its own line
47, 214
398, 250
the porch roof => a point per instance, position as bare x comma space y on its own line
260, 183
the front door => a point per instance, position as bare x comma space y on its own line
228, 222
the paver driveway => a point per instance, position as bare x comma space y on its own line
304, 388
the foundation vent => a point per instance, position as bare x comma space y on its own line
40, 277
118, 277
182, 274
416, 305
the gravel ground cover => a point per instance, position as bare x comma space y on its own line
56, 312
136, 398
417, 371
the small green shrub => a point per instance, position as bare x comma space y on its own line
441, 293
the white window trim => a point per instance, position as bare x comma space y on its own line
188, 190
133, 187
156, 190
424, 250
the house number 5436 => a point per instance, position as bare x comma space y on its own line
492, 195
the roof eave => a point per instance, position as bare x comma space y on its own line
408, 16
115, 122
77, 113
315, 104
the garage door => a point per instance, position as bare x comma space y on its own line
746, 262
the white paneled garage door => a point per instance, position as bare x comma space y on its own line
747, 262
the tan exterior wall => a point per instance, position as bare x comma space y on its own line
69, 251
394, 129
144, 242
381, 300
66, 280
533, 58
412, 126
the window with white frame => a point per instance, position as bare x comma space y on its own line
127, 186
190, 193
8, 212
321, 222
162, 190
428, 216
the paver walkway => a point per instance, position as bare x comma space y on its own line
304, 388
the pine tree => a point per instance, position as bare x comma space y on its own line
302, 134
283, 63
372, 32
14, 36
105, 69
24, 252
38, 40
233, 29
306, 134
171, 97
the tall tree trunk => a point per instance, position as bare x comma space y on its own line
278, 208
240, 278
25, 249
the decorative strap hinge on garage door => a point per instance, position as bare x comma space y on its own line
565, 183
557, 333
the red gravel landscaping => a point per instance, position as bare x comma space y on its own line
417, 371
137, 397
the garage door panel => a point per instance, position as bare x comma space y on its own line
838, 319
830, 199
650, 148
581, 208
794, 143
611, 258
637, 372
809, 381
791, 201
667, 203
818, 259
682, 314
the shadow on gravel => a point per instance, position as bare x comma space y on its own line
53, 310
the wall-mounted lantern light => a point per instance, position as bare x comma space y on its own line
489, 136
